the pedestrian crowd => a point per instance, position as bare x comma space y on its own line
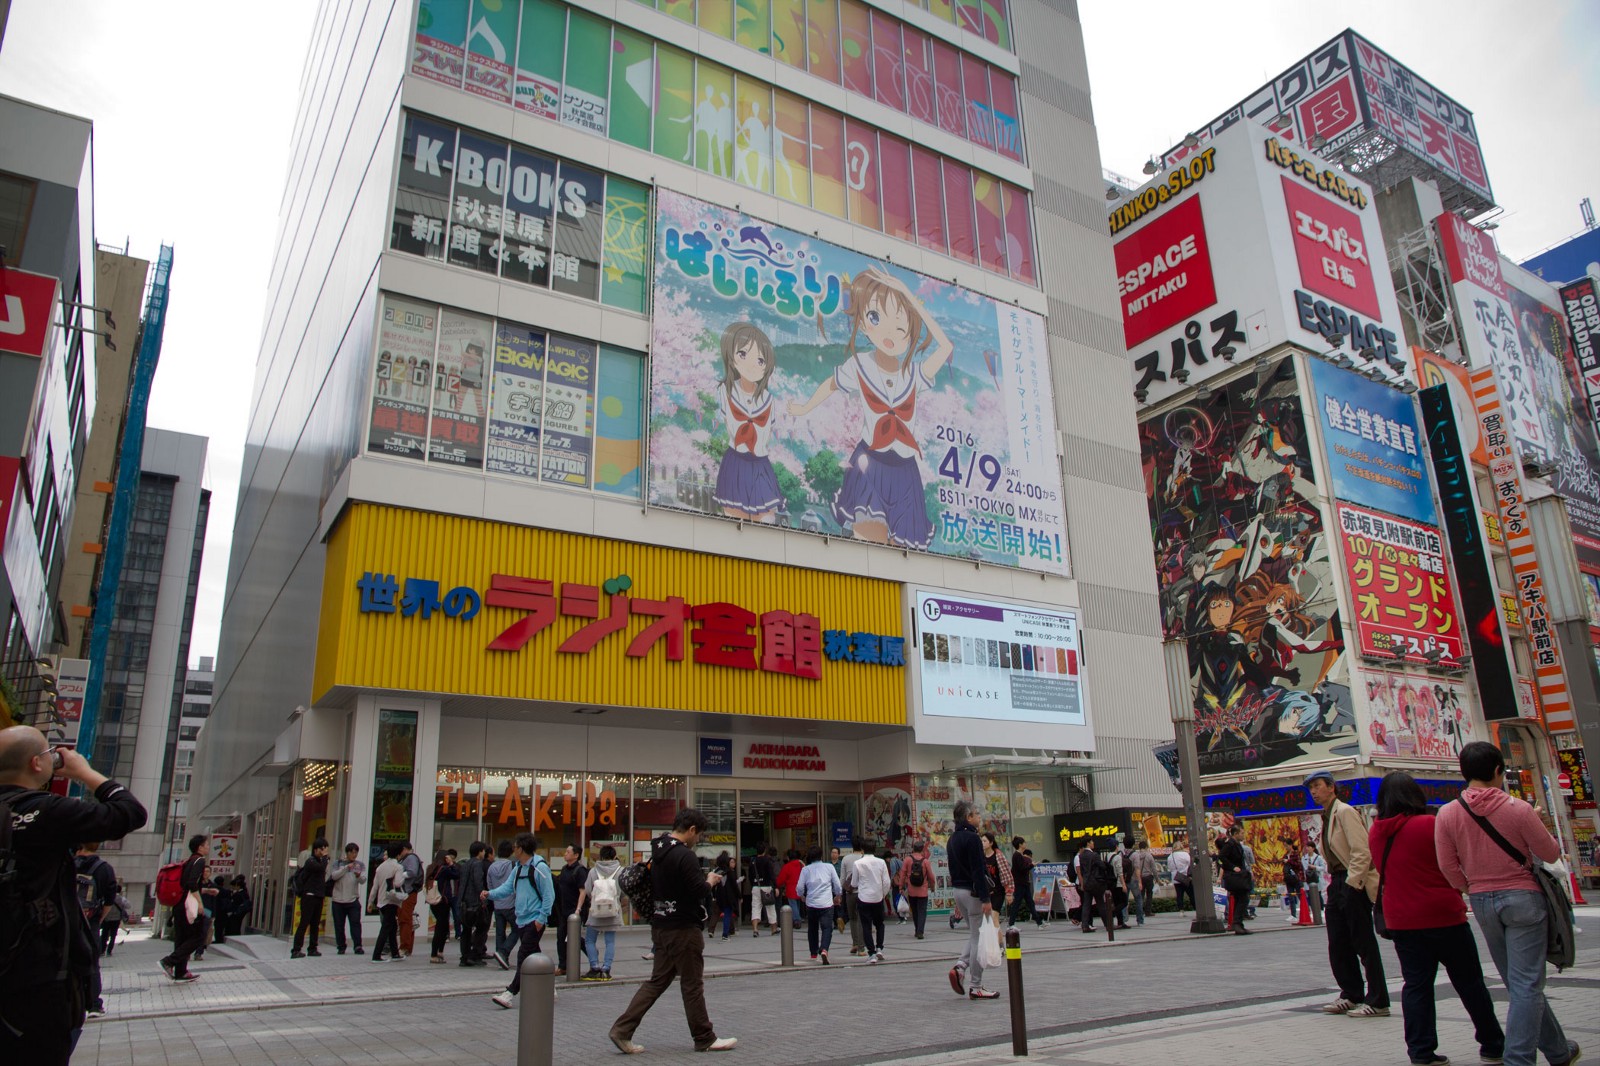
1411, 877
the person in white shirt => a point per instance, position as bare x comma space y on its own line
820, 888
1180, 864
873, 888
847, 877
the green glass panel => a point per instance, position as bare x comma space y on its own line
751, 27
584, 102
541, 46
682, 10
674, 111
627, 244
632, 85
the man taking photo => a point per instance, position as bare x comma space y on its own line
46, 952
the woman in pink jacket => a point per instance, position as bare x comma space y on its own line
916, 878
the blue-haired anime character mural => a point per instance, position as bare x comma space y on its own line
800, 384
1244, 573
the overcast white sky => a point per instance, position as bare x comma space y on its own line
193, 104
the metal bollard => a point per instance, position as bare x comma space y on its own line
536, 1020
786, 933
1019, 1009
574, 959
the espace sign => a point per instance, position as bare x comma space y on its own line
1164, 273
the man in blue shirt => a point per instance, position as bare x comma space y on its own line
534, 892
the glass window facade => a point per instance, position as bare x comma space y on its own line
506, 398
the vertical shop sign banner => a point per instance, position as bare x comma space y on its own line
223, 860
491, 48
1581, 303
455, 434
568, 422
517, 401
1575, 765
27, 311
1374, 445
801, 384
1399, 588
1244, 573
1543, 390
393, 786
402, 376
1331, 249
1505, 478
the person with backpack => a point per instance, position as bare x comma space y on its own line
310, 889
916, 879
1487, 842
1095, 882
47, 953
678, 892
385, 896
474, 923
407, 916
1181, 865
120, 911
531, 886
97, 888
505, 924
764, 890
1427, 921
182, 891
435, 880
602, 892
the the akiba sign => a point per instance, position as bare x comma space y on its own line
1273, 246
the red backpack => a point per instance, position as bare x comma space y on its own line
169, 884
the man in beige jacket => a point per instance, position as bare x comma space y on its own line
1352, 944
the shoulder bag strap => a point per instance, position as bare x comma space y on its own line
1383, 874
1488, 827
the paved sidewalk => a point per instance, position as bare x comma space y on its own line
255, 972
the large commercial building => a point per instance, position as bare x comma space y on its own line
714, 404
147, 649
47, 361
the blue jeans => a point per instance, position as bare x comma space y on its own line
1512, 923
590, 934
505, 932
1136, 898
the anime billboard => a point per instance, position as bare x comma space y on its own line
1244, 573
799, 384
1418, 716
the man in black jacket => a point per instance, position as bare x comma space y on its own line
680, 890
474, 911
1096, 881
969, 880
311, 888
46, 951
569, 884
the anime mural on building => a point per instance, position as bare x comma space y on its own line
1417, 715
799, 384
1244, 573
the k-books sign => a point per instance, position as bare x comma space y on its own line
800, 384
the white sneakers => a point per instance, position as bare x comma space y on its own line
504, 999
726, 1043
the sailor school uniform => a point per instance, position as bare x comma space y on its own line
883, 480
746, 480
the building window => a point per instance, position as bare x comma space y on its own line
552, 408
16, 206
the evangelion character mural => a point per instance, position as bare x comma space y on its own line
1243, 568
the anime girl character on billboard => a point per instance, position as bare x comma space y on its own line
882, 498
747, 486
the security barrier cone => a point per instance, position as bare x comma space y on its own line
1305, 909
1577, 890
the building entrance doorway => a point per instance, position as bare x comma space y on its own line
783, 820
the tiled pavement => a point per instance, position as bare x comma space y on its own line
1156, 996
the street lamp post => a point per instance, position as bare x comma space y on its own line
1175, 653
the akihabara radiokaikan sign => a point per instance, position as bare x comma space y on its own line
1249, 244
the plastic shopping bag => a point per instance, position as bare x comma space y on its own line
989, 953
903, 909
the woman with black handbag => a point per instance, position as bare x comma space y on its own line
1235, 876
1427, 920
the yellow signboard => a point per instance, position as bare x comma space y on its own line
440, 604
